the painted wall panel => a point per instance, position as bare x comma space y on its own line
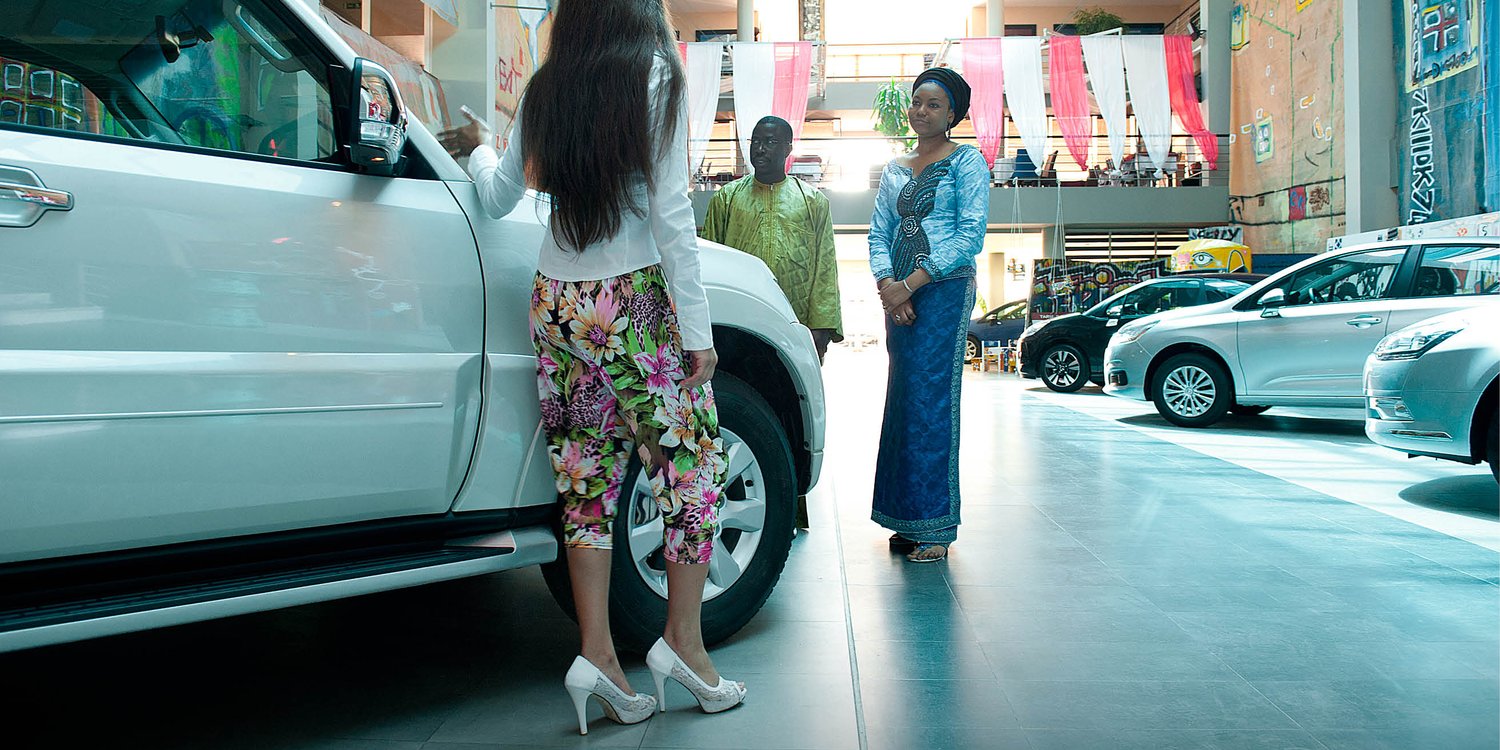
1287, 180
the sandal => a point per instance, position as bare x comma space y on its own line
902, 544
920, 554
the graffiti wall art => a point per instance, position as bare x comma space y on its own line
1060, 287
1442, 39
521, 37
1287, 111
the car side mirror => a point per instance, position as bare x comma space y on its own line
1115, 312
1270, 301
378, 119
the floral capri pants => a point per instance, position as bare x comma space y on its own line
610, 368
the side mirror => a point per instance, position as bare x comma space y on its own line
1115, 312
378, 119
1270, 301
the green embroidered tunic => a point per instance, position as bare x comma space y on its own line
786, 225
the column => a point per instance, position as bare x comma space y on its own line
994, 18
1054, 243
746, 27
1370, 202
1215, 16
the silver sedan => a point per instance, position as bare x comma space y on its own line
1430, 388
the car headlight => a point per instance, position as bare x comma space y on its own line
1133, 331
1413, 342
1033, 328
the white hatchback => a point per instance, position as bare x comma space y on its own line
1300, 337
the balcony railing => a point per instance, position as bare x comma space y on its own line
855, 163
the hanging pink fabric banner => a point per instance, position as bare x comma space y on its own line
1070, 98
1185, 98
793, 83
985, 74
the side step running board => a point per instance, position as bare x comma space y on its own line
126, 612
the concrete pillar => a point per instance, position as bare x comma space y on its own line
746, 27
995, 18
1215, 16
1054, 243
1369, 118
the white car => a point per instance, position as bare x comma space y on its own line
1431, 388
1300, 337
259, 345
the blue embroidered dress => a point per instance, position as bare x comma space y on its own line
935, 221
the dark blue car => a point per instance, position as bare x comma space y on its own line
1003, 324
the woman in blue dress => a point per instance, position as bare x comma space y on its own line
929, 224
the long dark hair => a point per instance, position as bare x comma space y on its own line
587, 126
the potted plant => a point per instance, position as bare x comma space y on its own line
1093, 20
892, 100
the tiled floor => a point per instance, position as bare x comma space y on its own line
1110, 589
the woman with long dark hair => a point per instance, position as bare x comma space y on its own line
929, 223
619, 320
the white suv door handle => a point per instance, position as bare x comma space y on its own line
57, 200
1363, 321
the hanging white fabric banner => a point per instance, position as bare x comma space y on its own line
1106, 65
1021, 60
1150, 96
704, 63
754, 84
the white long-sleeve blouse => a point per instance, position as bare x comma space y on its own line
666, 234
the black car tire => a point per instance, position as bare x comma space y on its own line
1249, 410
971, 349
1492, 449
1064, 368
638, 609
1191, 390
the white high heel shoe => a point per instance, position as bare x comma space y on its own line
584, 679
664, 663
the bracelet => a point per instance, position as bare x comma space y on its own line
909, 290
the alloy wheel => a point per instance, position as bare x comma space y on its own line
1189, 391
1062, 367
742, 520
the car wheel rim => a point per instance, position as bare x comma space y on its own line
970, 350
1062, 367
742, 521
1189, 391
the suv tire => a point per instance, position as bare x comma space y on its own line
1064, 368
758, 517
1192, 390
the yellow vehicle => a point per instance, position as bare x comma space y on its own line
1199, 256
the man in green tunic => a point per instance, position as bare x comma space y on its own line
786, 224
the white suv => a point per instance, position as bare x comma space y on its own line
1300, 337
259, 345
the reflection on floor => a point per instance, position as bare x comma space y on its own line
1111, 588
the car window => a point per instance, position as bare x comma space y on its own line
1155, 298
1218, 290
218, 74
1449, 270
1349, 278
41, 97
1015, 311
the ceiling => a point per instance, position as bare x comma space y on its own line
702, 6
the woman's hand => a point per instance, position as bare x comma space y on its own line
893, 294
904, 314
461, 141
705, 361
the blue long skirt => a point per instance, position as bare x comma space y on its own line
916, 473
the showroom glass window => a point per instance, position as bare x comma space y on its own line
1350, 278
1449, 270
218, 74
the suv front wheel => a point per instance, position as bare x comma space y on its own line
1191, 390
756, 521
1065, 369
